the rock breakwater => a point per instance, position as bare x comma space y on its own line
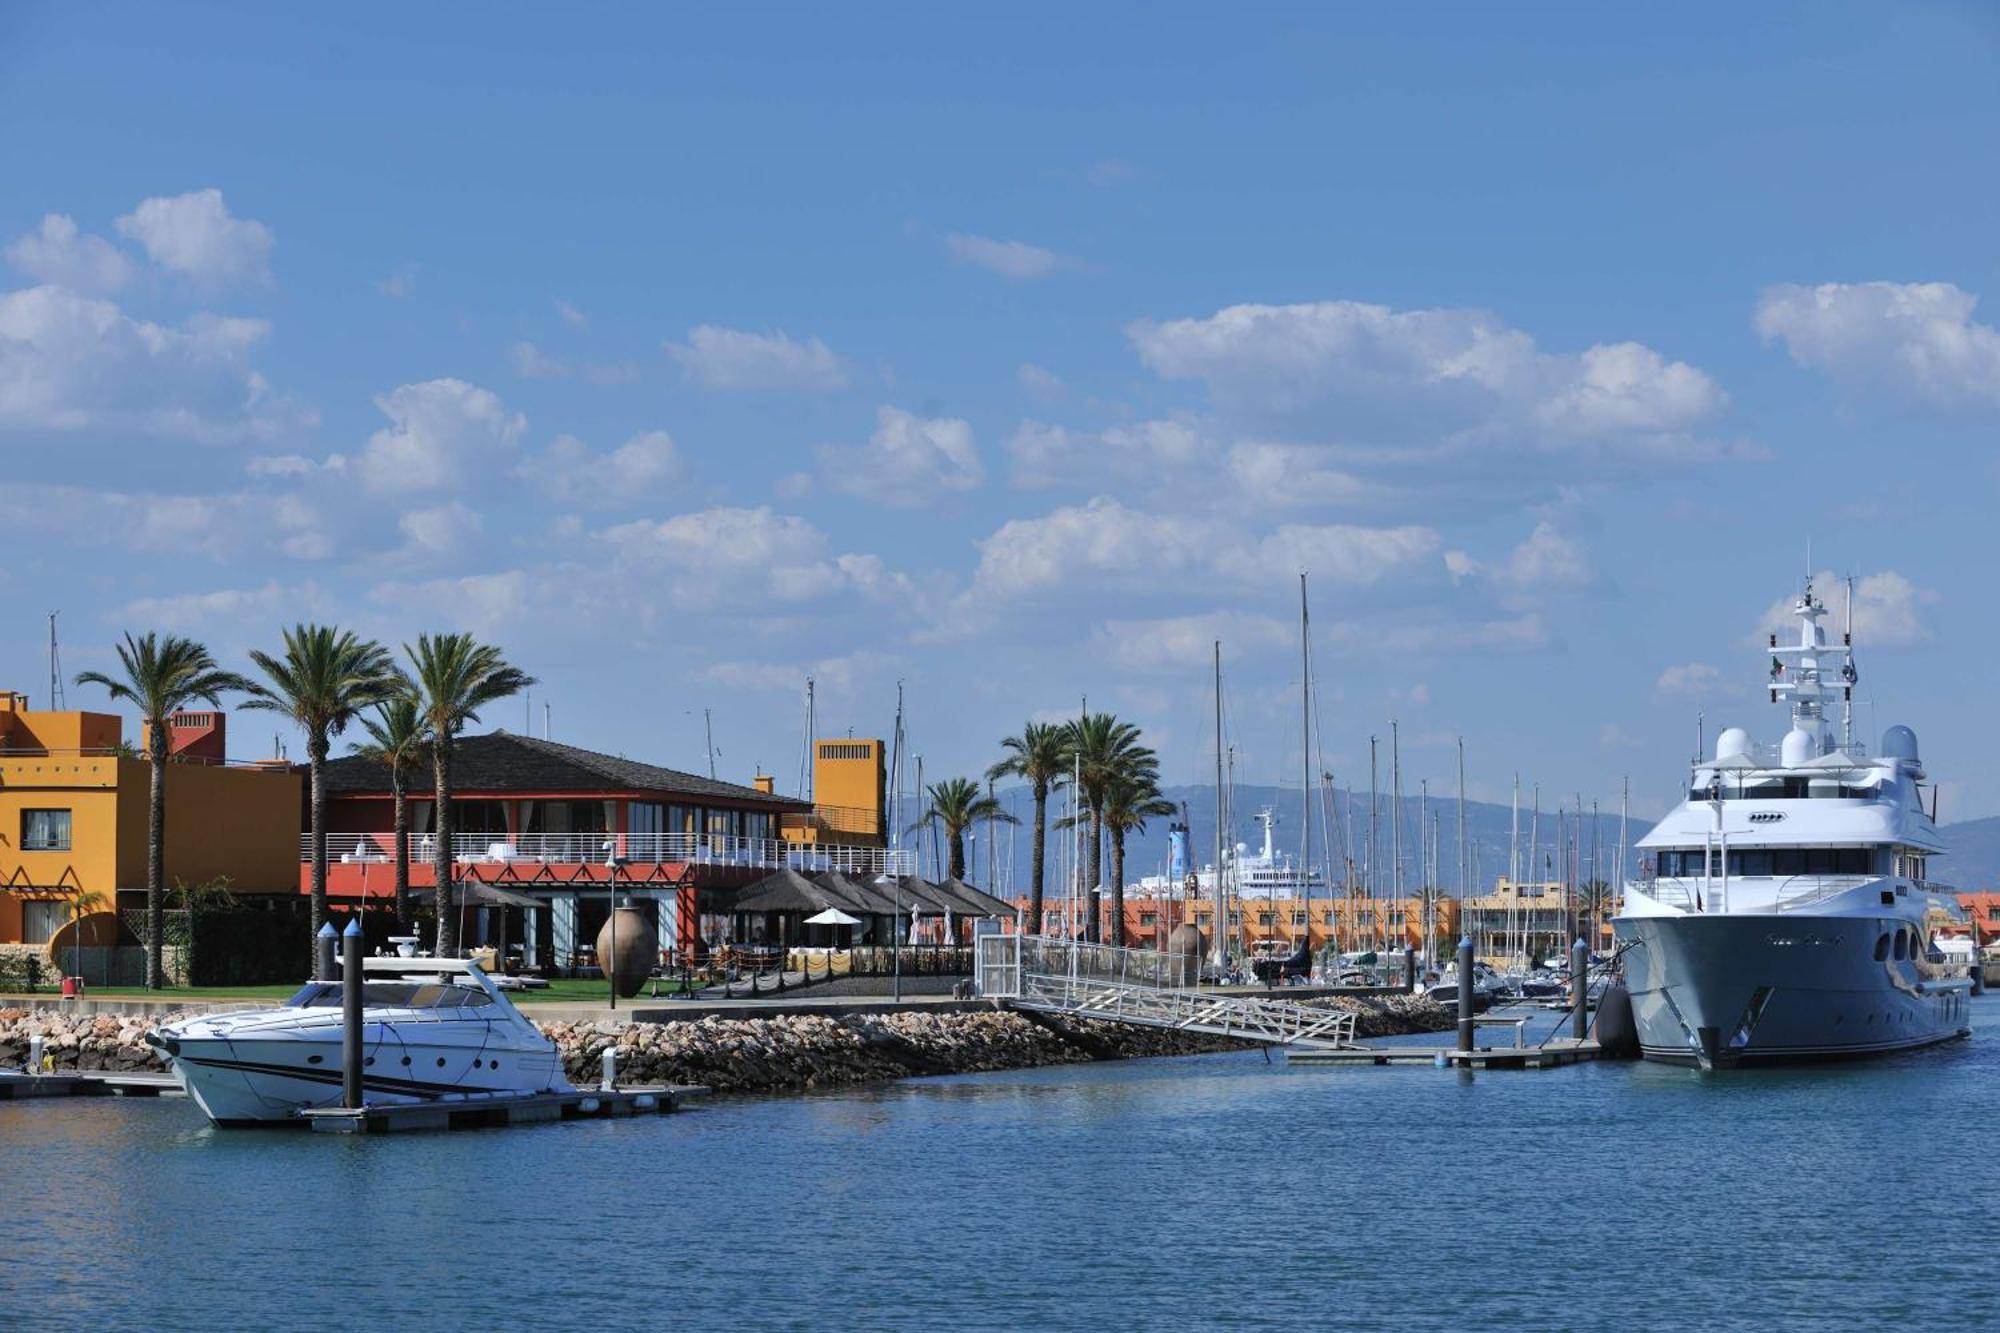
777, 1054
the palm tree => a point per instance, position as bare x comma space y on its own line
1040, 756
161, 677
455, 676
1129, 801
396, 739
324, 678
958, 804
1104, 750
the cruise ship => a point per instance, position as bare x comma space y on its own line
1790, 916
1266, 874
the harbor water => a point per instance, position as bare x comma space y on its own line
1210, 1192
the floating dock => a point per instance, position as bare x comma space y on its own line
1550, 1055
16, 1083
494, 1112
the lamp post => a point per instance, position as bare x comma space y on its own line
895, 887
611, 863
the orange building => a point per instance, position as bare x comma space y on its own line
73, 817
1354, 924
1982, 910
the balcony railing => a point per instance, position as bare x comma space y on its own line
531, 849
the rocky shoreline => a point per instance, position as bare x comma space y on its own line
766, 1055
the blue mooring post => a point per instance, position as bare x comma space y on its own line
325, 947
1465, 993
1579, 986
350, 1014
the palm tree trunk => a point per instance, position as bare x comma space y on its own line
1094, 927
399, 785
156, 861
957, 838
1118, 887
316, 746
1041, 842
447, 924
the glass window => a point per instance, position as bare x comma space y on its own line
45, 830
40, 920
1882, 948
1752, 863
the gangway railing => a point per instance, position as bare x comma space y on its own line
1145, 987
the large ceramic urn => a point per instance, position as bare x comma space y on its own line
629, 959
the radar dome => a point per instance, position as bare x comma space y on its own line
1900, 743
1733, 743
1798, 748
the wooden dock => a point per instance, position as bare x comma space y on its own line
1551, 1055
493, 1112
15, 1083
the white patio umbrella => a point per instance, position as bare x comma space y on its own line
833, 916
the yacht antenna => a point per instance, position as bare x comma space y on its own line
1624, 812
1848, 675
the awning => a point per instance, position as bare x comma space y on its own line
472, 893
786, 891
858, 895
929, 900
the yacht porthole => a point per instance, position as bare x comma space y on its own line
1882, 948
440, 1062
406, 1059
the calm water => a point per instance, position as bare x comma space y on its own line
1213, 1192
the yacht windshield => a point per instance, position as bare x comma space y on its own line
392, 995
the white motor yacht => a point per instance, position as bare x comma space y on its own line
1790, 916
433, 1029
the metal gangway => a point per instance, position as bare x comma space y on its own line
1146, 987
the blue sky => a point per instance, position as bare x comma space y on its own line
1017, 357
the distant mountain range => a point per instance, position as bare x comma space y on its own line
1973, 862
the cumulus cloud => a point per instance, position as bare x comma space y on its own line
1041, 383
1918, 338
1547, 558
70, 362
1689, 680
720, 358
532, 363
442, 530
843, 673
439, 431
1104, 542
738, 559
247, 608
641, 469
196, 236
491, 605
220, 526
908, 461
1010, 259
1290, 475
1889, 611
1450, 374
56, 252
1046, 456
1183, 643
571, 316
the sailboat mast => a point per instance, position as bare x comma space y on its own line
1513, 874
1426, 867
1368, 861
1396, 811
1305, 752
1464, 866
1221, 906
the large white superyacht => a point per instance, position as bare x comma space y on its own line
1789, 916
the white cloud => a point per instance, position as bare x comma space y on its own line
1104, 542
531, 363
1452, 374
1546, 559
1183, 643
56, 252
490, 605
1043, 385
71, 363
843, 673
1278, 475
908, 461
220, 526
281, 466
1611, 736
793, 486
1010, 259
1888, 611
272, 604
1689, 680
195, 235
736, 559
1048, 456
1918, 338
641, 469
439, 431
571, 316
439, 531
720, 358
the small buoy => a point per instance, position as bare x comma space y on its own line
645, 1101
1439, 1060
588, 1106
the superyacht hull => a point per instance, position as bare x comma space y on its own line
1729, 990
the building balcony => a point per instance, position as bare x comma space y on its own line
526, 851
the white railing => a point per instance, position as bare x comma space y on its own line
1754, 892
532, 849
1145, 987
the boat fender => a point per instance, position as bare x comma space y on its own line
1617, 1031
